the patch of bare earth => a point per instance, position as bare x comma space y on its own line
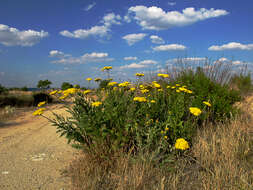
32, 156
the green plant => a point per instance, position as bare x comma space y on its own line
66, 85
44, 84
242, 82
40, 97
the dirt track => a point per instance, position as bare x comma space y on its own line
32, 156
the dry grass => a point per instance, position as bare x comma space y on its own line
221, 157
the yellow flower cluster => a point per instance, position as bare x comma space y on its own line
181, 144
140, 99
139, 74
41, 104
53, 92
112, 83
67, 92
163, 75
106, 68
96, 104
144, 91
183, 89
156, 85
124, 84
87, 91
88, 79
207, 103
195, 111
39, 111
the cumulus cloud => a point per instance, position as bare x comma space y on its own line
231, 46
130, 58
169, 47
156, 39
141, 64
86, 58
95, 31
90, 6
155, 18
13, 37
133, 38
186, 59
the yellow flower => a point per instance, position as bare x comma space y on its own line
63, 97
140, 99
195, 111
173, 87
181, 144
87, 91
165, 137
152, 101
124, 84
97, 79
41, 103
106, 68
160, 90
132, 89
177, 84
59, 91
163, 75
145, 91
112, 83
166, 128
115, 88
53, 92
96, 104
168, 86
139, 74
70, 91
162, 132
89, 79
177, 90
207, 103
188, 91
156, 85
39, 111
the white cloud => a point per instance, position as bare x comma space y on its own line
169, 47
156, 39
130, 58
231, 46
187, 60
86, 58
171, 3
13, 37
100, 31
238, 62
127, 18
90, 6
155, 18
141, 64
133, 38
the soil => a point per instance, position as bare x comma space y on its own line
32, 155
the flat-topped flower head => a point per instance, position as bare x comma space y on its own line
124, 84
96, 104
41, 103
112, 83
97, 79
87, 91
156, 85
207, 103
163, 75
181, 144
39, 111
139, 74
140, 99
106, 68
195, 111
132, 89
53, 92
89, 79
144, 91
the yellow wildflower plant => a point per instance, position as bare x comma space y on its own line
39, 111
132, 89
207, 103
53, 92
96, 104
87, 91
140, 99
124, 84
156, 85
106, 68
144, 91
181, 144
139, 74
41, 103
112, 83
89, 79
163, 75
195, 111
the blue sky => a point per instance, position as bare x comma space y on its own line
70, 40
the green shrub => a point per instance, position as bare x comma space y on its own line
66, 85
3, 90
16, 100
242, 82
40, 97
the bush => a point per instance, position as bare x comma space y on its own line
3, 90
66, 85
40, 97
16, 100
242, 82
149, 119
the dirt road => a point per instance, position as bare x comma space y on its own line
32, 155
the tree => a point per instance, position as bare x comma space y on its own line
66, 85
44, 84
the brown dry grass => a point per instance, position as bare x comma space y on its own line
221, 157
